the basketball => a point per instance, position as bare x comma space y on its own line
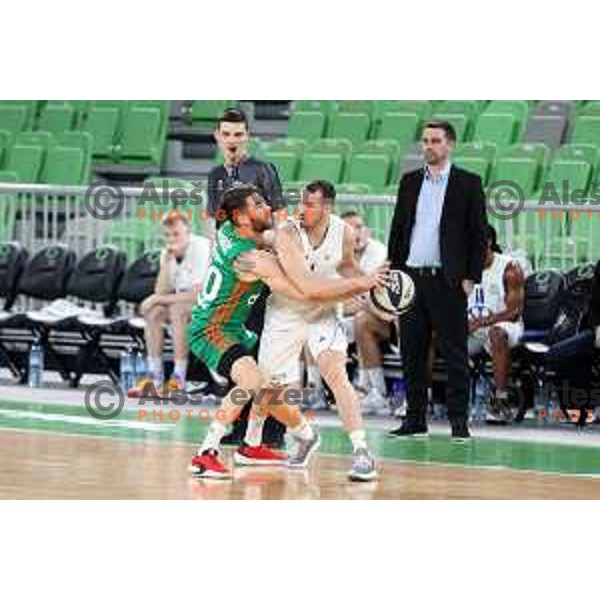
395, 298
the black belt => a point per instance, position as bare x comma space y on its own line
424, 271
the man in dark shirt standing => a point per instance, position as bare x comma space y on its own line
232, 135
438, 237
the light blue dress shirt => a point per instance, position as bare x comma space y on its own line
425, 238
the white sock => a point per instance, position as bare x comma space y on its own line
180, 369
358, 439
303, 431
213, 437
376, 378
155, 368
314, 377
254, 429
362, 380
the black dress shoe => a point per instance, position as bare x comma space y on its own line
460, 431
410, 429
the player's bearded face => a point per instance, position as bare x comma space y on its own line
436, 146
259, 214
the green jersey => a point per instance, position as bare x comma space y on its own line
225, 301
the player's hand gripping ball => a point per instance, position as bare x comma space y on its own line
395, 298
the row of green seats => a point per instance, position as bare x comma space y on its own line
40, 157
123, 131
499, 121
372, 163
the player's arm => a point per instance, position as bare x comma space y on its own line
291, 258
263, 265
349, 267
514, 283
163, 285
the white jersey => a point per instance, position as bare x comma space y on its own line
323, 261
490, 295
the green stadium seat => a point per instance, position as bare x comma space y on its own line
522, 171
207, 112
379, 218
26, 162
487, 150
587, 130
357, 106
103, 123
34, 138
422, 108
66, 166
586, 152
6, 141
80, 109
295, 145
286, 163
537, 151
327, 107
353, 189
352, 126
8, 209
460, 122
401, 127
391, 189
592, 108
15, 117
143, 135
470, 108
372, 169
307, 125
518, 108
321, 166
332, 146
75, 139
475, 164
389, 148
500, 129
576, 172
57, 118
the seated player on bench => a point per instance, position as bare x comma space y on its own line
495, 318
183, 265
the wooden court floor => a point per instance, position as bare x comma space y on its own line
45, 464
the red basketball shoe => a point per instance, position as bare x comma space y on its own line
258, 455
207, 465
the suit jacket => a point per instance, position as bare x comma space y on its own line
462, 224
595, 302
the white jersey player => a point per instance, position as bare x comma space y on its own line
320, 247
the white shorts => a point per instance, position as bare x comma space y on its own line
480, 340
283, 339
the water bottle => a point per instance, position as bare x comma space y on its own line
398, 393
141, 367
36, 364
127, 370
478, 410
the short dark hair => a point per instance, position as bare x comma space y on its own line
326, 188
445, 125
349, 214
234, 199
233, 115
492, 236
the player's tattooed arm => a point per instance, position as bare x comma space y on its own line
292, 260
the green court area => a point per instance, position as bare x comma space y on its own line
537, 456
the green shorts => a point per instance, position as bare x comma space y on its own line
217, 345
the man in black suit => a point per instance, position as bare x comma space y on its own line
438, 238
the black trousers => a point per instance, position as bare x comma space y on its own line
440, 307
